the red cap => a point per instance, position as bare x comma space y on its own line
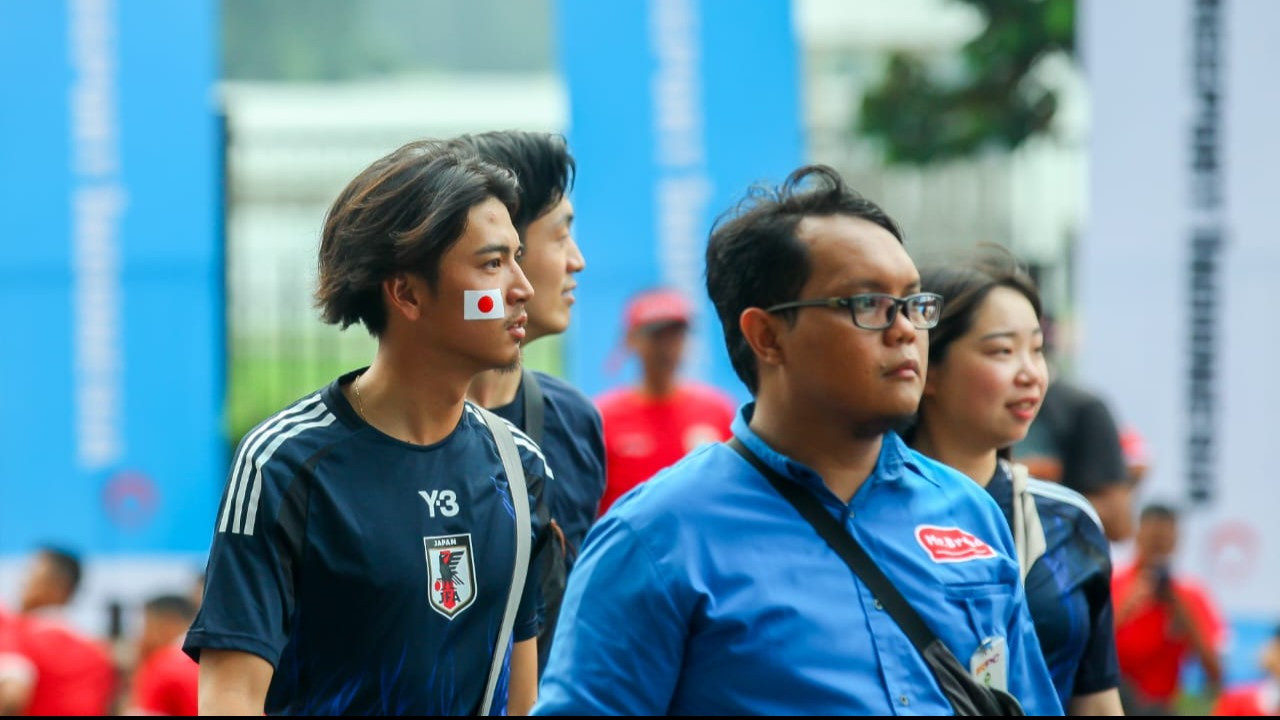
657, 307
1135, 448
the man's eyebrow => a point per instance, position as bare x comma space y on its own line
501, 248
862, 285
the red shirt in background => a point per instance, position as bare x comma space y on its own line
1150, 648
166, 683
643, 435
1259, 699
73, 674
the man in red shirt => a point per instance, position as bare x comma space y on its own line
166, 681
1161, 620
655, 423
52, 668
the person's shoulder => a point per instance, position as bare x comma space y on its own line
941, 475
531, 456
565, 398
687, 488
292, 433
955, 497
1059, 500
616, 399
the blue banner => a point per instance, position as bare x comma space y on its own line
110, 276
676, 107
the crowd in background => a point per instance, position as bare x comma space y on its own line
1161, 622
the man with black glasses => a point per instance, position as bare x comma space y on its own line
706, 592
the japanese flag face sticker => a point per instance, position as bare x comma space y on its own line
482, 305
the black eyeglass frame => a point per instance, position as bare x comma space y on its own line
899, 304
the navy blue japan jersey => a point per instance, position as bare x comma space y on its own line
1068, 588
573, 441
370, 572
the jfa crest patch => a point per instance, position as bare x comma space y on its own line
451, 573
951, 544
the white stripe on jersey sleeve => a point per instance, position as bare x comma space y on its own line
521, 439
248, 446
1064, 494
246, 472
266, 456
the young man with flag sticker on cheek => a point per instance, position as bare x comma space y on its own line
371, 554
708, 590
559, 418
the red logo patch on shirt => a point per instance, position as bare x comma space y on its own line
950, 544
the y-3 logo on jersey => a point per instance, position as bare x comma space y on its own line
446, 501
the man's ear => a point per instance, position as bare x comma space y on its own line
404, 294
761, 330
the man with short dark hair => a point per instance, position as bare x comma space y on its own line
165, 681
48, 667
705, 592
52, 580
367, 553
559, 418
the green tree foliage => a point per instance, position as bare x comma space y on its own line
993, 102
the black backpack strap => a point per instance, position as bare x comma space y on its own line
956, 682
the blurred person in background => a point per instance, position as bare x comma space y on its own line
987, 378
1137, 458
14, 668
165, 680
1162, 620
365, 554
651, 425
1261, 697
196, 593
1074, 441
559, 418
47, 666
703, 591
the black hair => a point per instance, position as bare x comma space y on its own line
401, 214
66, 564
541, 162
755, 259
965, 285
174, 606
1158, 511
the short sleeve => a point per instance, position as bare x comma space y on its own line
249, 583
1099, 667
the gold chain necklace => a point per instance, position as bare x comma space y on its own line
355, 384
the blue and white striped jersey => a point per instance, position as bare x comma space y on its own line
370, 572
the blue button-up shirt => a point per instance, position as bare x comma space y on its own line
703, 591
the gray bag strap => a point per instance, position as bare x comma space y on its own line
533, 411
520, 501
1028, 533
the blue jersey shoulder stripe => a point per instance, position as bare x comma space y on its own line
520, 438
1065, 495
251, 515
307, 408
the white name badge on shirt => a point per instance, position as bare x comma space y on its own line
990, 664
